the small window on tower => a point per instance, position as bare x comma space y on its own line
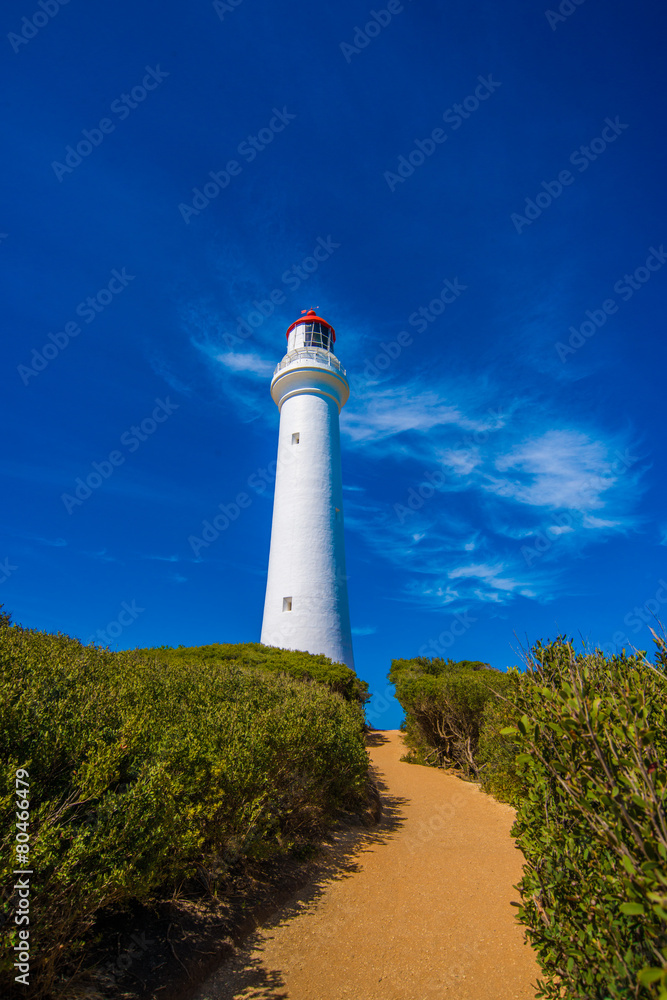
295, 438
287, 603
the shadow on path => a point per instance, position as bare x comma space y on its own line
375, 738
242, 976
249, 982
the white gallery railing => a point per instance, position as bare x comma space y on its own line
321, 357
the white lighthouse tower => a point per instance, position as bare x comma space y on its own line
306, 604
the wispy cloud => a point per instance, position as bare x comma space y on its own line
480, 584
596, 523
56, 543
162, 368
491, 582
29, 536
247, 363
513, 490
243, 374
435, 548
559, 468
388, 410
102, 555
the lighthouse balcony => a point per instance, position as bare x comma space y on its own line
314, 355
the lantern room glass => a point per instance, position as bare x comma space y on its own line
317, 335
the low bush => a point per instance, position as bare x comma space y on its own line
146, 768
444, 704
303, 666
591, 770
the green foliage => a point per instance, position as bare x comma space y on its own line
147, 767
578, 743
496, 753
303, 666
591, 735
444, 703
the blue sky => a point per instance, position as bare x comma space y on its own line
471, 193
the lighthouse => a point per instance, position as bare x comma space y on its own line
306, 605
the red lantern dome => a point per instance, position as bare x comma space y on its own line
310, 316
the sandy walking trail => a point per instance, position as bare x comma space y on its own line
416, 908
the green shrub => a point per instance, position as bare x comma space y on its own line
303, 666
444, 703
142, 773
592, 741
496, 753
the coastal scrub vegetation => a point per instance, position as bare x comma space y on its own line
147, 767
577, 742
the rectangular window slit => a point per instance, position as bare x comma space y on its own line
295, 438
287, 603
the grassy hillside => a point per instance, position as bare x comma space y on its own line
145, 767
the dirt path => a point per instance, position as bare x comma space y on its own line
416, 909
